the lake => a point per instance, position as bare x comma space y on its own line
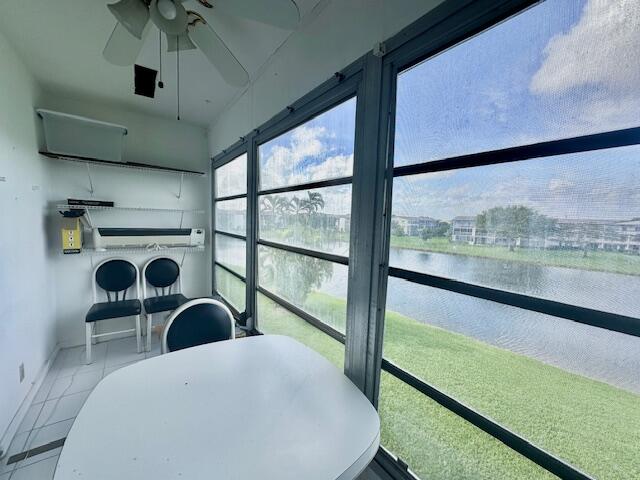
589, 351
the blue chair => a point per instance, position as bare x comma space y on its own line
162, 274
197, 322
114, 276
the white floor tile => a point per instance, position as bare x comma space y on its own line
43, 470
72, 361
30, 418
63, 408
109, 370
4, 468
16, 446
123, 351
49, 433
44, 389
77, 383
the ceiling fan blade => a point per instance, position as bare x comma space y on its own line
279, 13
218, 54
122, 47
185, 43
133, 14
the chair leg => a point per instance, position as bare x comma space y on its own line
149, 324
88, 333
138, 337
94, 331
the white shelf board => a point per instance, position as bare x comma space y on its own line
129, 165
132, 250
135, 209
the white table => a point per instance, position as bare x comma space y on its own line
263, 407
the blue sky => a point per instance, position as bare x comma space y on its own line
561, 69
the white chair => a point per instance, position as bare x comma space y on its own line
163, 274
197, 322
114, 276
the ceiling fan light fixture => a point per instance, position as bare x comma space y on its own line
167, 9
132, 14
174, 26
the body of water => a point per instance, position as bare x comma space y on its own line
589, 351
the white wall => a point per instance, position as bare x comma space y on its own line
45, 294
150, 140
27, 303
335, 34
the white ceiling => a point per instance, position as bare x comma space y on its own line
61, 42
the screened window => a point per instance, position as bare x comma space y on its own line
511, 273
230, 220
304, 204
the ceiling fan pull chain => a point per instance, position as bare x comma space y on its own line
160, 83
178, 72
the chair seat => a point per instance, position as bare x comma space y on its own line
106, 310
164, 303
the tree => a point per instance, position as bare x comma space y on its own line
515, 222
441, 230
290, 275
396, 229
312, 203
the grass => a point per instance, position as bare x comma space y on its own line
231, 288
590, 424
597, 261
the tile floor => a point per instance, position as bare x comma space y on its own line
59, 400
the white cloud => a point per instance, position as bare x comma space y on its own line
559, 184
283, 166
602, 53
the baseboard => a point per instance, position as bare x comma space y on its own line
77, 343
11, 430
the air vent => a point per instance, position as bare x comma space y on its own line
145, 81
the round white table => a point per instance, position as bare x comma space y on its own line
263, 407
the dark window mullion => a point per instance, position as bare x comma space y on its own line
307, 186
329, 257
316, 322
232, 235
229, 270
586, 143
596, 318
230, 197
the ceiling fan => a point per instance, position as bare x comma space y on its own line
188, 30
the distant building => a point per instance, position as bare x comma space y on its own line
463, 229
630, 235
413, 226
574, 233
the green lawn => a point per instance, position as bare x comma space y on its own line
599, 261
592, 425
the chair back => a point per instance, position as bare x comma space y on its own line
115, 275
197, 322
162, 273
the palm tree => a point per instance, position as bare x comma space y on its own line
268, 204
312, 203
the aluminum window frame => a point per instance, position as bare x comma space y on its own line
341, 88
372, 79
227, 156
408, 54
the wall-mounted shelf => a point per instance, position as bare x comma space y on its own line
132, 165
131, 250
135, 209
